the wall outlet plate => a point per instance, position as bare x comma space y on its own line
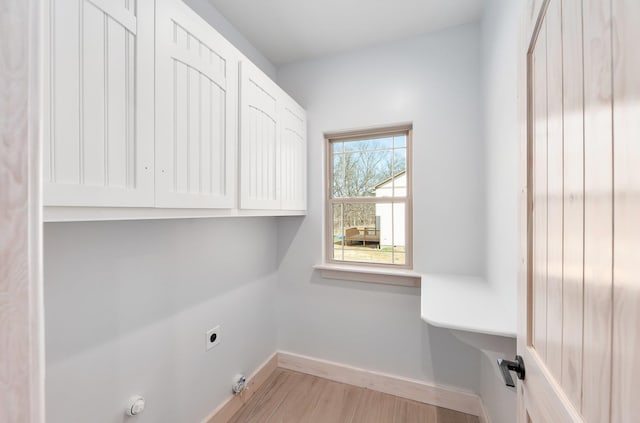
213, 338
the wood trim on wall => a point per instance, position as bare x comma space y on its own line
465, 402
484, 414
21, 308
462, 401
227, 409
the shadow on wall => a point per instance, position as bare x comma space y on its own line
116, 277
288, 231
448, 359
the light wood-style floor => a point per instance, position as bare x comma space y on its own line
291, 397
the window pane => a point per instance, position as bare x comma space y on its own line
337, 146
361, 235
339, 185
399, 233
400, 178
369, 144
370, 233
367, 254
363, 174
391, 218
400, 141
399, 160
359, 215
338, 232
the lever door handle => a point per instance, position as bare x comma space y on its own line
516, 366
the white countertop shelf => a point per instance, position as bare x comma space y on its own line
466, 303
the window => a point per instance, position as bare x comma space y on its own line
369, 209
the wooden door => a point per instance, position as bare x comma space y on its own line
21, 306
259, 140
293, 156
196, 118
98, 86
580, 220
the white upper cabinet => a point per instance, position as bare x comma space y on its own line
98, 100
149, 112
259, 140
196, 111
293, 156
273, 145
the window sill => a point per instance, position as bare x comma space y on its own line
381, 275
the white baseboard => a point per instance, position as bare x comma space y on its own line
484, 415
227, 409
445, 397
465, 402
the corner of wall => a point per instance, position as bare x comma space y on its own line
498, 400
210, 14
499, 92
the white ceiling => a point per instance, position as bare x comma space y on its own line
290, 30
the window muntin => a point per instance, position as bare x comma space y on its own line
369, 198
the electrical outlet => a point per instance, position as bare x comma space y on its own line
213, 338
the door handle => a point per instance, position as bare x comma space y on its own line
516, 366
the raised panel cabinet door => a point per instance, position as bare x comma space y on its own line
259, 140
293, 156
98, 103
196, 107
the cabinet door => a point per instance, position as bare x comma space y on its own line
98, 102
259, 140
293, 156
196, 106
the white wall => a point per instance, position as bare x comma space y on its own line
499, 50
433, 81
128, 304
499, 400
500, 41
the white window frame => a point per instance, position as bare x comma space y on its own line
386, 131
